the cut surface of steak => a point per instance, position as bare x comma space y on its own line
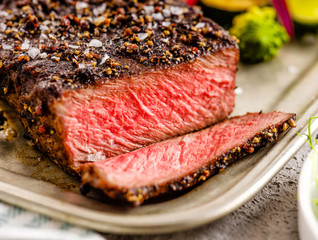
184, 161
128, 114
96, 79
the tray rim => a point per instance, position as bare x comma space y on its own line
253, 181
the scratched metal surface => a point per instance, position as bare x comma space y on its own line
288, 83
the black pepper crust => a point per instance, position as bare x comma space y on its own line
137, 196
74, 44
49, 46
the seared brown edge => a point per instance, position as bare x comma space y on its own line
137, 196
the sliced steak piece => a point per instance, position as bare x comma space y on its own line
184, 161
94, 80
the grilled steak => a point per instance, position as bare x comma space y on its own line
184, 161
94, 80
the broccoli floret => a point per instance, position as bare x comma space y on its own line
260, 35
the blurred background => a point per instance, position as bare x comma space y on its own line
262, 27
304, 13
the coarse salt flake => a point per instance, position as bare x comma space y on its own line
200, 25
158, 16
166, 24
81, 5
99, 10
74, 46
134, 16
81, 65
95, 43
43, 55
89, 18
142, 36
149, 26
99, 20
55, 58
7, 47
165, 40
44, 29
4, 14
149, 9
3, 27
33, 52
43, 37
155, 25
25, 45
51, 36
166, 12
104, 59
176, 10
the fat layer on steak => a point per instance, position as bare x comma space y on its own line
184, 161
95, 79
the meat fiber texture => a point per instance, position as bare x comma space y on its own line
95, 80
184, 161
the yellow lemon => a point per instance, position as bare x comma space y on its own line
233, 5
304, 11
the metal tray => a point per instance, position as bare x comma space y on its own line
288, 83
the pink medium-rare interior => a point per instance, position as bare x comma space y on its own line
127, 114
163, 162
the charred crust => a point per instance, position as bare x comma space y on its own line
137, 196
40, 129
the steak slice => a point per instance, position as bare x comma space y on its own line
95, 80
184, 161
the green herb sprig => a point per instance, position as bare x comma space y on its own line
315, 152
260, 34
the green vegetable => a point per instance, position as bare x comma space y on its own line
260, 35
